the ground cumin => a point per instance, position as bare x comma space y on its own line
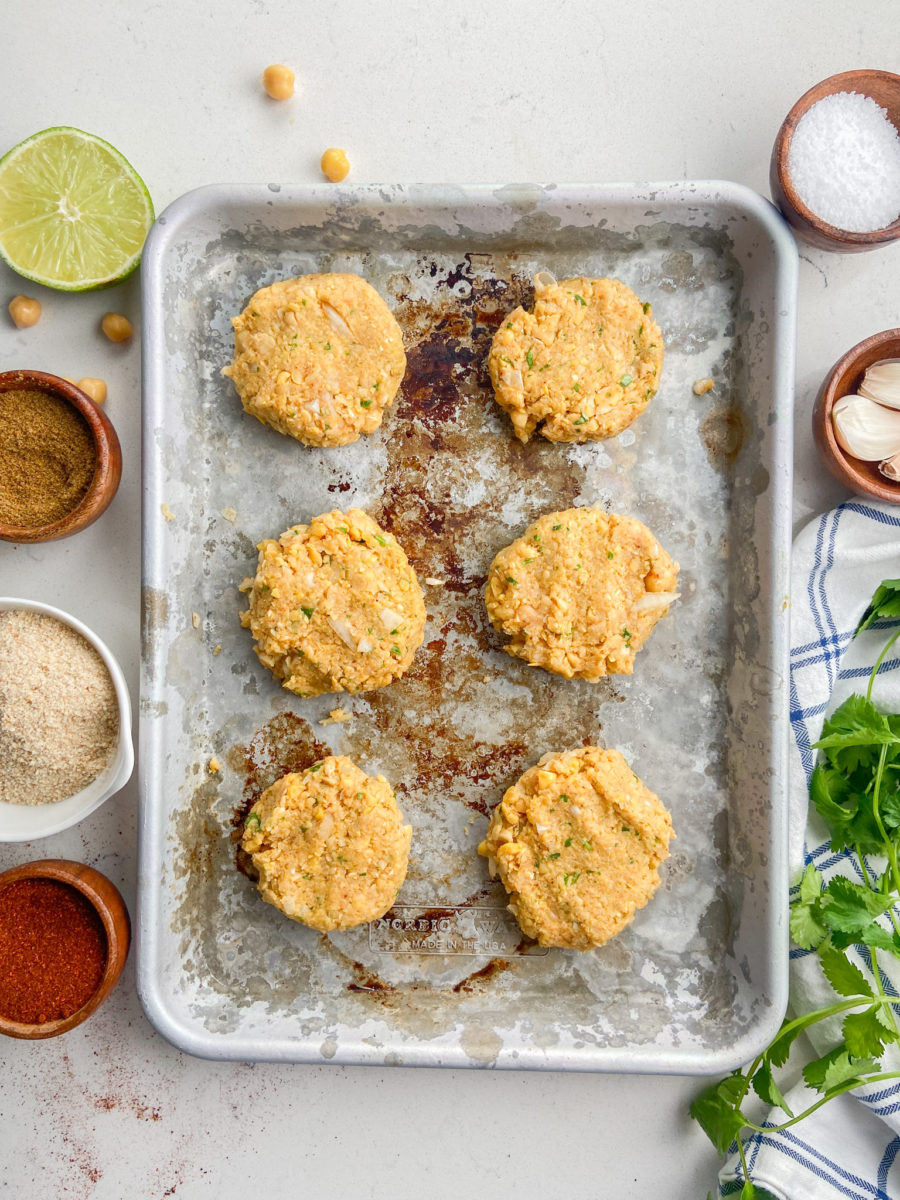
53, 950
47, 458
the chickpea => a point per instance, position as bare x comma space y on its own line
335, 164
116, 327
278, 81
95, 388
25, 311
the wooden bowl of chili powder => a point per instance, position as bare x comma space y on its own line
64, 937
60, 458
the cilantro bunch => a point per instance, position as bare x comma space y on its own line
855, 788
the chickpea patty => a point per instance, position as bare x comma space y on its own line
577, 843
580, 367
335, 606
329, 844
319, 358
580, 592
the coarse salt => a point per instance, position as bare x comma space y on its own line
844, 161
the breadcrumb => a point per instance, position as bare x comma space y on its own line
167, 512
214, 766
702, 386
336, 717
229, 513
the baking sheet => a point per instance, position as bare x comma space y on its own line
698, 982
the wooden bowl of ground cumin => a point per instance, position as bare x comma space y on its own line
60, 459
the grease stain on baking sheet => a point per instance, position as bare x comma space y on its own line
154, 614
723, 433
481, 1043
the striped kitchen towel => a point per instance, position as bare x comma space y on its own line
843, 1149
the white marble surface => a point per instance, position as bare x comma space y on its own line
415, 91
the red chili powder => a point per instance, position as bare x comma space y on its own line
52, 950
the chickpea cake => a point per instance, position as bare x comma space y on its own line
580, 592
582, 365
335, 606
329, 844
577, 843
319, 358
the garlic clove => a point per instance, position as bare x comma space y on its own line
866, 430
881, 382
890, 468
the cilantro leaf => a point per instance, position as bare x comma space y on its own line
810, 884
834, 1068
780, 1049
767, 1089
872, 935
884, 605
833, 799
844, 976
853, 735
886, 1020
889, 806
849, 907
806, 925
807, 929
865, 1035
714, 1110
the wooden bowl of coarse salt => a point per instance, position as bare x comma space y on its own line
60, 458
64, 705
835, 167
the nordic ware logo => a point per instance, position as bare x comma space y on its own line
408, 929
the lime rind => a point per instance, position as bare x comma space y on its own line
74, 213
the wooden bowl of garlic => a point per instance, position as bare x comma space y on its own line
856, 419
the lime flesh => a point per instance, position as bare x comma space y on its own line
74, 214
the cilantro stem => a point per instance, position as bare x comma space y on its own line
889, 846
847, 1086
879, 660
821, 1014
744, 1166
884, 891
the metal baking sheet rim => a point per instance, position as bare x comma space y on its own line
645, 1059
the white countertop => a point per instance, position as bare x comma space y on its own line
416, 92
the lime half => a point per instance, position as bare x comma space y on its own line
74, 214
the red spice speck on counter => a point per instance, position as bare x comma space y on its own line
53, 951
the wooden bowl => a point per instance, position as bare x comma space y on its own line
843, 379
110, 907
107, 472
884, 89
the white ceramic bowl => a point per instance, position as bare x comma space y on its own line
26, 822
